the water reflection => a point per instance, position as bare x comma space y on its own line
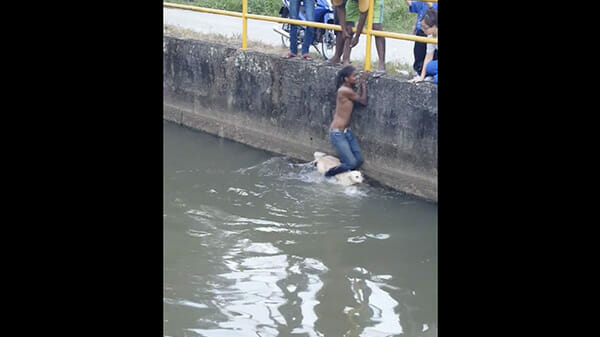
265, 292
374, 313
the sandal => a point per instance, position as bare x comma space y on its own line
289, 56
306, 57
378, 73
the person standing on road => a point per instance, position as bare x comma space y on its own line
420, 48
309, 9
430, 66
340, 134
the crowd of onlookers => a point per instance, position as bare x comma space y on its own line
347, 12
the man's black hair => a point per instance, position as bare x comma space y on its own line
344, 72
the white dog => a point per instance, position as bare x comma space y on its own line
324, 162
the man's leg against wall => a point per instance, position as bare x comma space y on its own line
344, 151
355, 148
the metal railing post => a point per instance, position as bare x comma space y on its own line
368, 32
245, 24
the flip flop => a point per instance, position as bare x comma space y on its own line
378, 73
289, 56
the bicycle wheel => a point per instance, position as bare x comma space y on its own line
328, 44
285, 40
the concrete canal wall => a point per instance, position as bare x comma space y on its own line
286, 106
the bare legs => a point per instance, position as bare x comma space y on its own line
380, 46
342, 47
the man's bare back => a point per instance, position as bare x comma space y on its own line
346, 96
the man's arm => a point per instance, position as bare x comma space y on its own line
362, 98
341, 13
428, 58
361, 22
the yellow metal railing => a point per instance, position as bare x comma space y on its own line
368, 30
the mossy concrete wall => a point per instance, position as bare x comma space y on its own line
286, 106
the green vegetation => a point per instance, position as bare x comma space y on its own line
396, 17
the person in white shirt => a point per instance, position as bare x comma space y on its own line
430, 27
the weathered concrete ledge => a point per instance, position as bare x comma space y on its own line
286, 106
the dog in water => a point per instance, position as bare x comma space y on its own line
324, 162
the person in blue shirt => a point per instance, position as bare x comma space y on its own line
419, 49
429, 23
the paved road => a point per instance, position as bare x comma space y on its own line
262, 31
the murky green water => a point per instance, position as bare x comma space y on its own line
257, 244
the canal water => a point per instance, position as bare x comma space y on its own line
259, 244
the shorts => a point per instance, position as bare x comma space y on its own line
352, 11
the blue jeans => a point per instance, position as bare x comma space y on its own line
348, 151
309, 8
432, 69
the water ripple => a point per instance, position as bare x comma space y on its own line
262, 248
197, 234
185, 303
380, 236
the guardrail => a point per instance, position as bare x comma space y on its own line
368, 31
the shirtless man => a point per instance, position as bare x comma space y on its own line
340, 134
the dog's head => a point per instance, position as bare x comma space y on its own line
319, 155
356, 176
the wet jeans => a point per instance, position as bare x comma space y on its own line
309, 8
348, 151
